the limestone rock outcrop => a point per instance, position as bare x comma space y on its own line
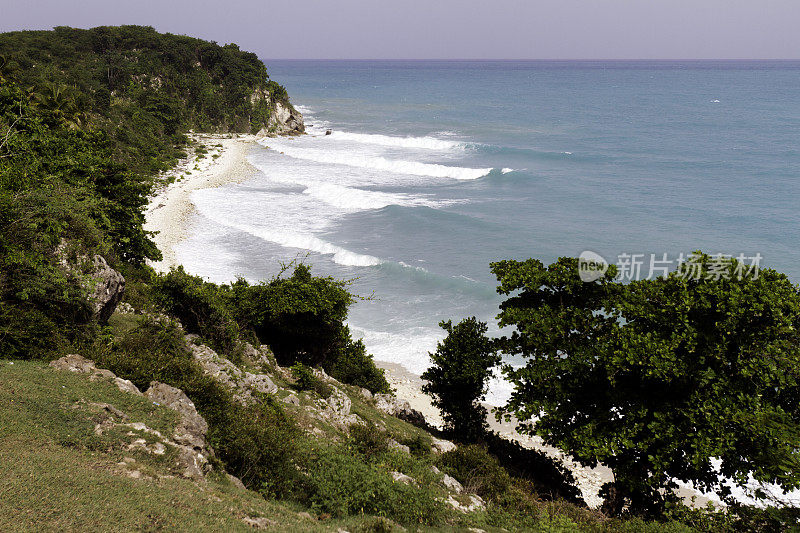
104, 284
400, 409
244, 384
81, 365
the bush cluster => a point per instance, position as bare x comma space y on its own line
307, 381
300, 317
343, 484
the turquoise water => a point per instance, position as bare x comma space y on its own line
435, 169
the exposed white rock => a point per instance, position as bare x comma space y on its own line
475, 503
402, 478
399, 408
452, 484
394, 445
243, 384
292, 399
441, 445
79, 364
104, 284
191, 428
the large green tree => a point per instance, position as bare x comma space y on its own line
659, 378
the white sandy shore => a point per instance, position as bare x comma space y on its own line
169, 214
171, 207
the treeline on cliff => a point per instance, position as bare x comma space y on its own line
142, 88
87, 120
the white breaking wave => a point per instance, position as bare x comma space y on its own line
507, 170
352, 199
284, 237
376, 162
305, 110
424, 143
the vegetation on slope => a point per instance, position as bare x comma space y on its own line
87, 119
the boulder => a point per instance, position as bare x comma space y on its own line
191, 429
452, 484
339, 402
126, 386
235, 481
402, 478
441, 445
259, 522
473, 503
242, 383
291, 400
74, 363
77, 363
104, 284
190, 432
394, 445
286, 120
400, 409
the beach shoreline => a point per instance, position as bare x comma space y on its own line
225, 162
170, 208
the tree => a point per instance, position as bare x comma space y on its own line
457, 382
659, 379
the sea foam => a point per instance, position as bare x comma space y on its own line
422, 143
361, 160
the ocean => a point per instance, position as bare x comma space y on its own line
434, 169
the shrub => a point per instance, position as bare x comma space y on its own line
549, 478
419, 444
342, 485
457, 381
201, 308
477, 470
355, 366
257, 443
308, 381
302, 319
368, 440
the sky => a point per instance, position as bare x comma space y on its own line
450, 29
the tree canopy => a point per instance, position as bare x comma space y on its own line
661, 380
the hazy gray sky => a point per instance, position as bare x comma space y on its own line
533, 29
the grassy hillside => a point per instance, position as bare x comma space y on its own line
57, 475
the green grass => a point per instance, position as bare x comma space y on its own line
57, 475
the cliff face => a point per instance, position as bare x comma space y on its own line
283, 118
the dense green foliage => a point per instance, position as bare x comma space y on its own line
87, 117
56, 184
656, 377
301, 318
457, 381
143, 88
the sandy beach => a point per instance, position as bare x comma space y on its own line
225, 162
171, 207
